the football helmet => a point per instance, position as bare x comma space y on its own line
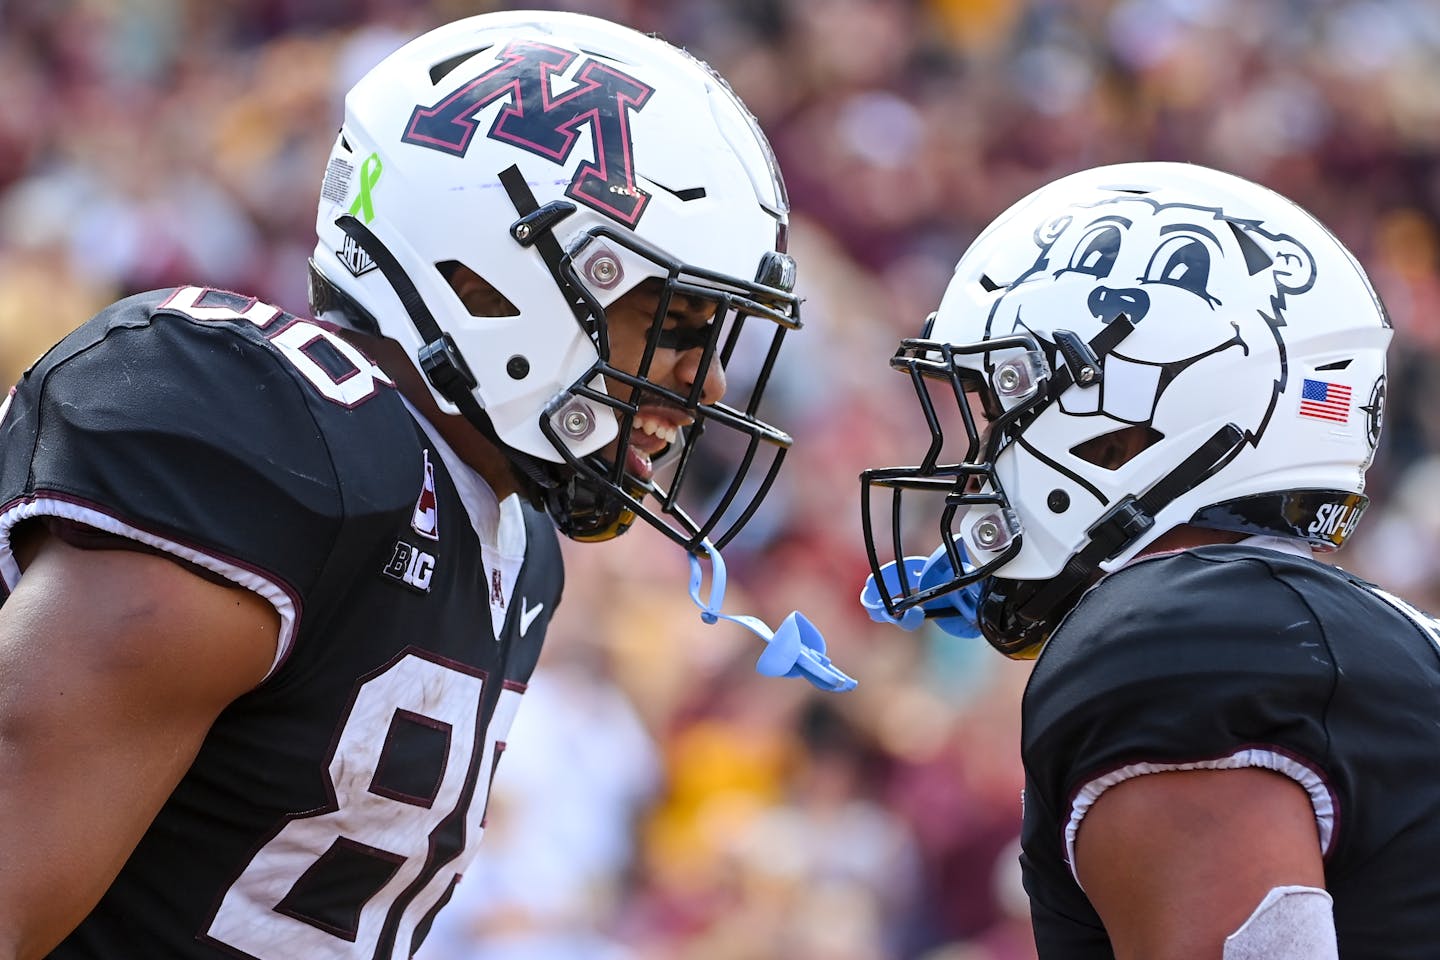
564, 161
1126, 350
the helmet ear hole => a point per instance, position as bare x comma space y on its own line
1111, 451
479, 295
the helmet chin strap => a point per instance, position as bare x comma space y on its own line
535, 228
1018, 623
440, 359
796, 649
583, 510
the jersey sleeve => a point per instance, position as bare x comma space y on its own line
1193, 661
185, 437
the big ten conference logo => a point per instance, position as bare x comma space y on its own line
547, 124
411, 566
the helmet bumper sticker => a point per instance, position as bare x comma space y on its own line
336, 185
364, 205
1324, 400
339, 174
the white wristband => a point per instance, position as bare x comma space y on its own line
1291, 923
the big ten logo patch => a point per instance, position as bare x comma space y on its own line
411, 566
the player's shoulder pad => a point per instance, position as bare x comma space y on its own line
1189, 597
1187, 635
183, 422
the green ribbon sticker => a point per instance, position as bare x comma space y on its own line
363, 207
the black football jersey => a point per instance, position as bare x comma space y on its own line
330, 810
1239, 655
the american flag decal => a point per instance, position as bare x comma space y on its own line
1321, 400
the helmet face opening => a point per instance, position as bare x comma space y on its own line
972, 398
693, 462
1194, 349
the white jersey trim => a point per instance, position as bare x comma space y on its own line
1427, 624
1321, 799
500, 524
267, 589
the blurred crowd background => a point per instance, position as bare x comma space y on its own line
660, 800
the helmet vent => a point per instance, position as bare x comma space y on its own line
610, 54
479, 295
1337, 365
1111, 451
1256, 259
685, 194
442, 69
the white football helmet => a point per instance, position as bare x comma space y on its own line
1133, 348
564, 160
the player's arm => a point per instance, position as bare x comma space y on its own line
1176, 862
113, 665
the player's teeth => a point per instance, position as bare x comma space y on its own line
657, 428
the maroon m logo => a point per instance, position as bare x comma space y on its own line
541, 123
